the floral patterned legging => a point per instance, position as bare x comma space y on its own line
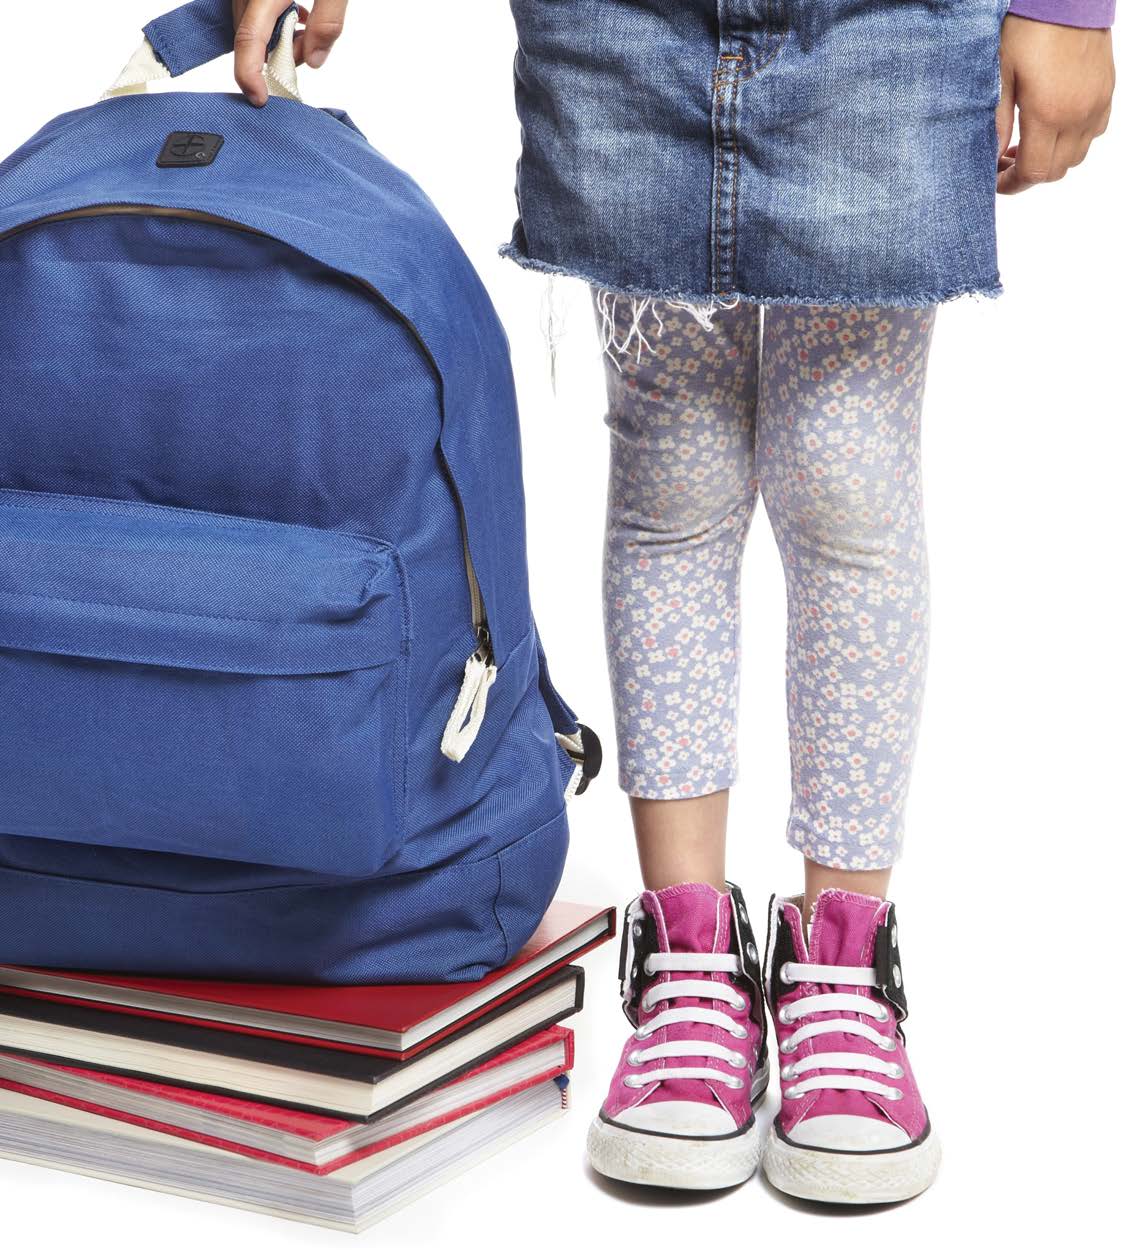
818, 410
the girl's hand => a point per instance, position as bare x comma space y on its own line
255, 20
1061, 78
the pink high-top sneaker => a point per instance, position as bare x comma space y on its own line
679, 1111
852, 1127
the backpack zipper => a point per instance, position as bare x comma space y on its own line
480, 670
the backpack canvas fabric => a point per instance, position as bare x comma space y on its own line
261, 519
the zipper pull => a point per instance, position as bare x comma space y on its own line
470, 707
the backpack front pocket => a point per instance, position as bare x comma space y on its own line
198, 684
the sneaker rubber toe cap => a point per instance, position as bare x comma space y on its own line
678, 1119
847, 1132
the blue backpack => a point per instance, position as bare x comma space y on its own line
272, 700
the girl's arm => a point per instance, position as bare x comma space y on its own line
254, 22
1057, 67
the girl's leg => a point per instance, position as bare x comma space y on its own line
679, 1109
682, 491
839, 457
681, 839
820, 877
839, 462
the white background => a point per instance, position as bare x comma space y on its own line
1017, 890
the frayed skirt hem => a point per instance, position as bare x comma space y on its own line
812, 299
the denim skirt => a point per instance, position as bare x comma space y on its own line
781, 151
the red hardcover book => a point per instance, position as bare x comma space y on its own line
330, 1080
395, 1021
312, 1143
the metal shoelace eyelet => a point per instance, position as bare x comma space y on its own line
896, 1071
786, 1047
739, 1003
895, 1095
783, 976
792, 1092
887, 1043
735, 1083
631, 1082
784, 1016
634, 1058
642, 1034
737, 1060
789, 1071
882, 1014
738, 1031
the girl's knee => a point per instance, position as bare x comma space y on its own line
859, 514
679, 505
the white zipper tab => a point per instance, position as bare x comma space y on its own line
470, 707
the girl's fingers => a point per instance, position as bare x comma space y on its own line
1070, 148
298, 38
1035, 157
1102, 122
250, 45
1006, 109
1073, 150
322, 28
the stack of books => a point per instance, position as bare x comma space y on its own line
336, 1106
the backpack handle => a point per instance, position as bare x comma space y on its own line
200, 32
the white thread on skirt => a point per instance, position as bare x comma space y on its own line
636, 339
553, 317
703, 312
640, 307
606, 302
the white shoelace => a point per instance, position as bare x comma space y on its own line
712, 991
851, 1065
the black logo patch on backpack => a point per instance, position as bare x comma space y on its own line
189, 149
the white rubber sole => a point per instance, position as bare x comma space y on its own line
673, 1162
838, 1176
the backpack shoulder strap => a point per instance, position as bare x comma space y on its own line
194, 35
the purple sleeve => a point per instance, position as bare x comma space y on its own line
1093, 13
